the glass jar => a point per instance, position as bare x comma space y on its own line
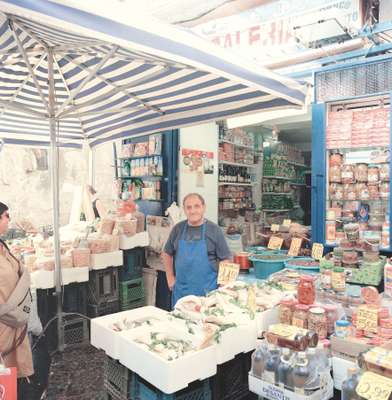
300, 316
326, 278
361, 172
338, 279
317, 322
331, 311
286, 309
373, 175
306, 293
342, 328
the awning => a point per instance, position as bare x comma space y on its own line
118, 74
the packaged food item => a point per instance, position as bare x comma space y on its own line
331, 312
362, 191
385, 235
335, 159
306, 292
342, 328
338, 279
330, 231
81, 257
347, 174
349, 192
374, 193
300, 316
335, 174
363, 212
286, 310
384, 190
127, 226
326, 278
373, 174
292, 337
352, 231
350, 257
361, 172
384, 172
388, 278
317, 322
107, 226
335, 191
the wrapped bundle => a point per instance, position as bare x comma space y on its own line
45, 263
107, 226
98, 245
127, 226
66, 261
81, 257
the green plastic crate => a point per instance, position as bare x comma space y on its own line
132, 294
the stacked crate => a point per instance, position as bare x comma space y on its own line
131, 286
75, 327
103, 292
119, 382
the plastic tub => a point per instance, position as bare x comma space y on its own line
268, 263
302, 263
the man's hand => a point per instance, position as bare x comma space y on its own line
171, 280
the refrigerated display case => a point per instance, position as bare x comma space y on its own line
351, 174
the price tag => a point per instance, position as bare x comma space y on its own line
295, 247
275, 228
251, 302
367, 319
372, 386
286, 222
317, 251
228, 272
275, 243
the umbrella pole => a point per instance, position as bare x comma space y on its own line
55, 201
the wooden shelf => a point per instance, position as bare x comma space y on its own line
234, 164
277, 177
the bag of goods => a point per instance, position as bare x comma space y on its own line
361, 172
140, 218
374, 193
114, 241
384, 172
127, 207
373, 175
362, 191
66, 261
45, 263
98, 245
335, 191
352, 231
349, 192
347, 173
384, 190
107, 226
335, 160
335, 174
81, 257
127, 226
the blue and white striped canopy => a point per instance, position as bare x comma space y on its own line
117, 74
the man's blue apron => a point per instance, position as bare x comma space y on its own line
195, 274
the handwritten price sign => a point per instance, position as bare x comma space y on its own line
274, 228
228, 272
367, 319
275, 243
372, 386
286, 222
295, 247
317, 251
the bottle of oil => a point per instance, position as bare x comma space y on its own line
301, 373
271, 364
285, 370
350, 384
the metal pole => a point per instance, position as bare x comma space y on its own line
55, 200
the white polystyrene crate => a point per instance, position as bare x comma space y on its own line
140, 239
104, 260
167, 376
236, 340
72, 275
273, 392
42, 279
339, 368
104, 338
266, 318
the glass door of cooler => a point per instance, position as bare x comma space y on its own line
357, 210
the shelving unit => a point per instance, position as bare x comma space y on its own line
234, 164
235, 184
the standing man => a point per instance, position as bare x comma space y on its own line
193, 251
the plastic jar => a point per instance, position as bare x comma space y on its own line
352, 231
361, 172
326, 278
373, 175
331, 312
317, 322
286, 309
347, 173
342, 328
384, 172
300, 316
306, 293
338, 279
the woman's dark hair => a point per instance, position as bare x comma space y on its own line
3, 207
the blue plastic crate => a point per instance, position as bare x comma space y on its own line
198, 390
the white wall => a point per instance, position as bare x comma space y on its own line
202, 137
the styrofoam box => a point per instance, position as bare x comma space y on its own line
339, 368
46, 279
273, 392
104, 338
104, 260
266, 318
141, 239
167, 376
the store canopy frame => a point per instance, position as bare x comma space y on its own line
72, 72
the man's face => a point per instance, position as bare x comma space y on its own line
194, 210
4, 221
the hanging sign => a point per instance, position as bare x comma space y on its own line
275, 243
228, 272
317, 251
367, 319
286, 222
373, 386
295, 247
275, 227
